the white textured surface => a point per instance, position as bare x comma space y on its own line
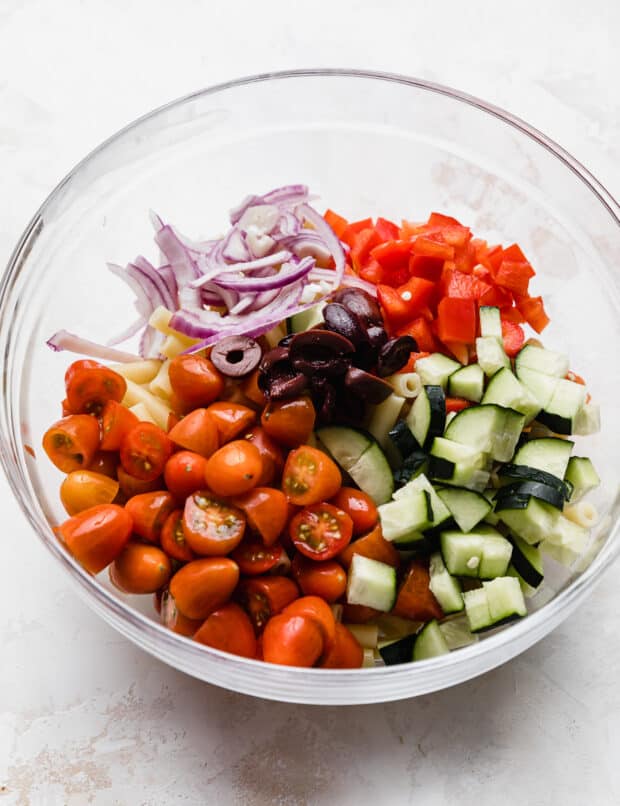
87, 718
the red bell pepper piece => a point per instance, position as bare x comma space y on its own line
420, 330
427, 267
456, 320
394, 307
373, 272
533, 310
452, 231
513, 337
413, 357
512, 315
411, 229
432, 247
494, 296
494, 257
458, 350
363, 242
336, 222
457, 404
462, 286
386, 230
514, 254
351, 230
514, 275
417, 293
415, 599
392, 255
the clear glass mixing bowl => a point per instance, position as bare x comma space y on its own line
367, 144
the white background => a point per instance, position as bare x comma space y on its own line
87, 718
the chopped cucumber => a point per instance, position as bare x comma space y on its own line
440, 512
505, 598
542, 360
371, 583
444, 587
582, 476
527, 562
489, 428
305, 320
490, 322
540, 385
550, 454
562, 410
429, 642
481, 554
456, 632
533, 522
477, 609
496, 554
427, 416
566, 541
411, 514
346, 445
458, 464
400, 651
527, 473
467, 507
506, 390
524, 490
491, 355
435, 369
588, 420
403, 439
467, 382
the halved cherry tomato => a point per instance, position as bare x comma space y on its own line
228, 628
231, 419
359, 506
289, 422
264, 597
292, 640
185, 473
211, 526
266, 510
145, 450
105, 462
140, 569
374, 546
96, 536
358, 614
415, 599
321, 531
251, 390
172, 617
314, 608
90, 385
195, 380
310, 476
131, 486
254, 558
172, 538
327, 579
196, 432
347, 652
71, 442
234, 469
65, 408
116, 421
270, 452
83, 489
200, 587
149, 512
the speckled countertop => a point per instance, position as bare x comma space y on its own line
87, 718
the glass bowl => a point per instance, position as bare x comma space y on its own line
367, 144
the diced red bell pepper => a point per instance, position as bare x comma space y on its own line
401, 305
363, 242
453, 232
386, 230
420, 330
494, 257
336, 222
394, 307
411, 229
415, 599
456, 320
413, 357
458, 350
512, 315
432, 247
513, 337
351, 230
373, 272
462, 286
392, 255
494, 296
429, 268
457, 404
533, 310
417, 293
514, 275
514, 254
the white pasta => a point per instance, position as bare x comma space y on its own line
406, 384
142, 413
160, 385
384, 417
583, 513
158, 410
138, 371
366, 634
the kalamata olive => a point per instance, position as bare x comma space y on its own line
285, 342
394, 355
350, 408
341, 320
272, 359
321, 352
236, 356
284, 386
324, 398
370, 388
359, 303
376, 335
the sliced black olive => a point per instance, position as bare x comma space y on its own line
394, 355
272, 359
341, 320
324, 398
321, 352
236, 356
285, 386
361, 304
370, 388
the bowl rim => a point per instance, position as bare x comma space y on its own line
533, 624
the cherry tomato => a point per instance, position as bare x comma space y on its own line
264, 597
105, 462
172, 617
234, 468
149, 512
89, 386
358, 614
231, 419
314, 608
310, 476
196, 432
71, 442
326, 579
185, 473
83, 489
172, 420
145, 450
211, 526
131, 486
200, 587
116, 421
346, 653
359, 506
321, 531
289, 422
250, 388
230, 630
65, 408
266, 510
140, 569
374, 546
270, 452
173, 540
254, 558
96, 536
292, 640
194, 380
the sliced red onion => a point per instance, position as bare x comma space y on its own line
63, 340
306, 243
289, 273
274, 259
263, 217
259, 243
230, 297
183, 266
151, 342
143, 303
349, 280
288, 195
161, 280
234, 247
168, 277
153, 285
126, 334
244, 304
288, 225
263, 299
190, 297
323, 229
236, 213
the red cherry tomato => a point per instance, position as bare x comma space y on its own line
196, 432
234, 469
228, 628
310, 476
346, 653
140, 569
266, 510
149, 512
359, 506
254, 558
211, 526
185, 473
145, 450
116, 422
321, 531
319, 611
231, 419
326, 579
270, 452
264, 597
172, 538
71, 443
195, 381
292, 640
89, 386
289, 422
96, 536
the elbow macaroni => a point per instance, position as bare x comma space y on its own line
407, 384
583, 513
